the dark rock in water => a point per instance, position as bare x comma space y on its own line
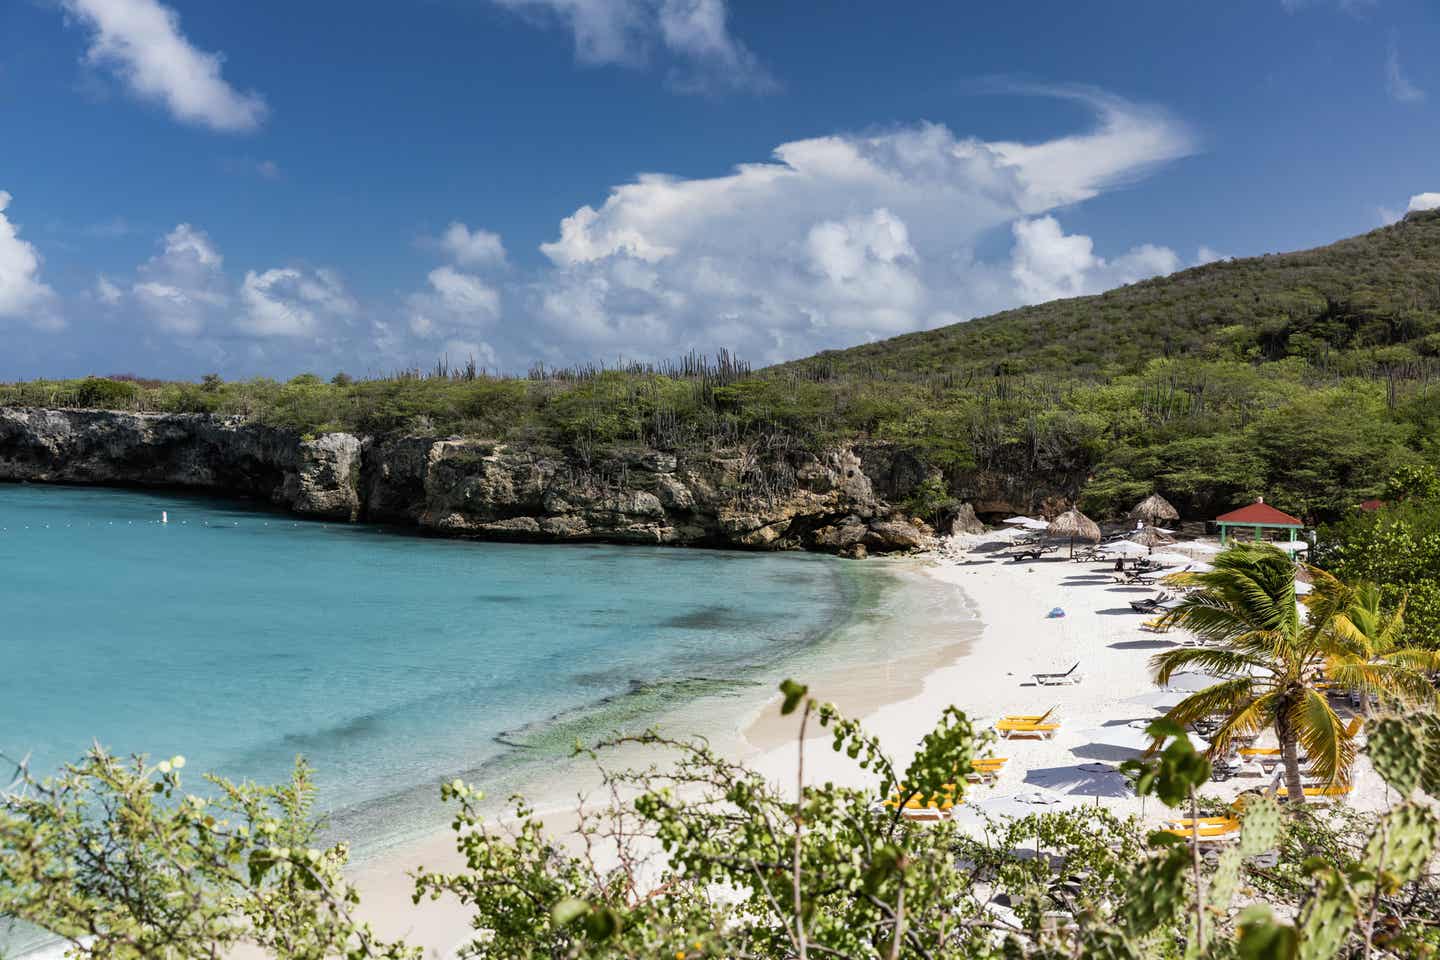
747, 498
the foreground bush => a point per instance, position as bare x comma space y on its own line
117, 860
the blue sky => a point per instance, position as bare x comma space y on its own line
273, 187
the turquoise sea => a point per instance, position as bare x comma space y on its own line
240, 638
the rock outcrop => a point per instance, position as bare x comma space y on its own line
475, 488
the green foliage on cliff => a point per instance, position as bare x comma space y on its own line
1306, 377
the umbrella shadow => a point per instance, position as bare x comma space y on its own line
991, 546
1143, 644
1105, 752
1117, 611
1081, 782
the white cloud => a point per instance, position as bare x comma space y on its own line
182, 288
836, 239
22, 293
694, 32
1424, 201
107, 292
454, 305
472, 248
141, 42
288, 302
1396, 83
1208, 255
1349, 6
1048, 264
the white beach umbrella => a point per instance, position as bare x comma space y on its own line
1291, 546
1196, 566
1302, 588
1122, 741
1124, 548
1019, 521
1035, 525
1170, 559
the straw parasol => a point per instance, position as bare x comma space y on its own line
1153, 509
1151, 537
1075, 525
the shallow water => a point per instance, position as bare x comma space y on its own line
241, 639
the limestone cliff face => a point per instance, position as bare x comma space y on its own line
475, 488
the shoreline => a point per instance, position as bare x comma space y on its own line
742, 725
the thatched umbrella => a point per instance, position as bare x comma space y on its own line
1075, 525
1153, 509
1150, 537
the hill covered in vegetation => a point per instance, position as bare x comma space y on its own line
1307, 377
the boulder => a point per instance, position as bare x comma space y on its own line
965, 521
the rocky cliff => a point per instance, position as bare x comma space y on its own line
743, 498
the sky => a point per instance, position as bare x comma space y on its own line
268, 188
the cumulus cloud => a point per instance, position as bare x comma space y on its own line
472, 248
23, 295
455, 306
695, 33
141, 43
1396, 83
287, 302
184, 291
1048, 264
182, 288
837, 239
1424, 201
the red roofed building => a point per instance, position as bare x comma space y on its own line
1260, 516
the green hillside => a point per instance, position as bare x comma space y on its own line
1377, 290
1306, 377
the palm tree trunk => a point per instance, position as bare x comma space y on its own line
1290, 755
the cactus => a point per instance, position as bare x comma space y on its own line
1225, 879
1398, 751
1262, 826
1327, 919
1404, 843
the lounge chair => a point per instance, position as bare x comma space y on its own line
1157, 625
986, 769
1323, 793
925, 808
1010, 729
1204, 829
1068, 678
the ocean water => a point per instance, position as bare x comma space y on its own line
241, 638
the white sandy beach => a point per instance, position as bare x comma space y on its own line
987, 676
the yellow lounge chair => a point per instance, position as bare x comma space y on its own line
1205, 829
986, 770
1158, 625
1329, 792
923, 808
1014, 728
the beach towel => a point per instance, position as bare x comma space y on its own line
1055, 614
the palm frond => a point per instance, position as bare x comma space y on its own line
1251, 719
1320, 732
1219, 662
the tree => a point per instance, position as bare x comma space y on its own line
117, 860
1268, 660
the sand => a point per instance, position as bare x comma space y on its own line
987, 673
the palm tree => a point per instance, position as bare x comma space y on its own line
1267, 659
1368, 658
